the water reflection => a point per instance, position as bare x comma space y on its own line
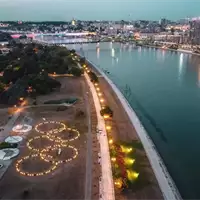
98, 53
180, 68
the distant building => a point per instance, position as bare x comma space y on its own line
195, 31
163, 23
73, 22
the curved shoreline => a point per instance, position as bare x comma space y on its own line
178, 50
166, 183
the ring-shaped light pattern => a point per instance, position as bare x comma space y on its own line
30, 146
71, 139
43, 153
48, 158
25, 173
56, 130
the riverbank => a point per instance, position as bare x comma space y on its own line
165, 182
176, 50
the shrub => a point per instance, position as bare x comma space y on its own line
5, 145
76, 71
106, 111
93, 77
82, 61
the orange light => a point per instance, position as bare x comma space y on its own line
97, 89
21, 98
96, 84
101, 100
106, 116
108, 128
110, 141
99, 94
113, 159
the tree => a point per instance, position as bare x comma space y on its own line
2, 87
93, 77
106, 111
73, 51
76, 71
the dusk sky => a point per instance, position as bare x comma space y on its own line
97, 9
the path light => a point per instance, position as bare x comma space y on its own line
84, 65
118, 183
99, 94
113, 159
132, 175
126, 149
106, 116
129, 161
130, 149
96, 84
101, 100
108, 128
110, 141
98, 89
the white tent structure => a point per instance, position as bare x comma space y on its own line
13, 139
7, 154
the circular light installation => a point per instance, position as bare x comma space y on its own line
25, 173
48, 158
44, 153
22, 128
71, 139
56, 130
30, 146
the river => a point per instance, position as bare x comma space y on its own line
163, 87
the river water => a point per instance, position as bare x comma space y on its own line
163, 87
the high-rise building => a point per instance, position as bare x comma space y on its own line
195, 31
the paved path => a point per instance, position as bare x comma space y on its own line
107, 179
88, 179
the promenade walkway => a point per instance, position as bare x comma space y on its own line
164, 179
107, 187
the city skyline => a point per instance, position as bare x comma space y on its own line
61, 10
